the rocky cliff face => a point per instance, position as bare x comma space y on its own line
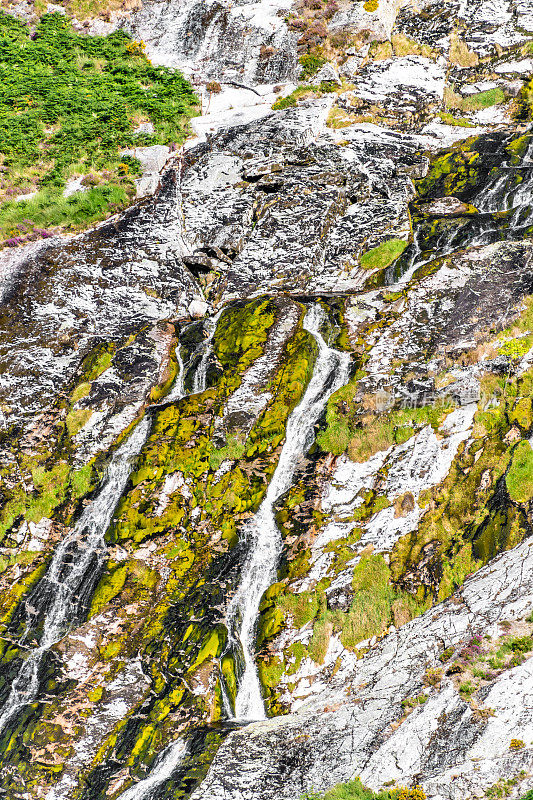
320, 325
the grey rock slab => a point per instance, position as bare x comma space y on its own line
219, 40
292, 206
65, 296
340, 732
405, 81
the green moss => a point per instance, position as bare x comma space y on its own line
109, 587
96, 694
240, 336
99, 362
526, 101
522, 413
227, 667
383, 255
212, 647
80, 392
517, 148
76, 419
519, 479
453, 173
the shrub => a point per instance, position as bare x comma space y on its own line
467, 689
293, 97
447, 654
331, 9
354, 790
311, 64
521, 644
516, 744
213, 87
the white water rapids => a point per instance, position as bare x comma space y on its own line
330, 373
67, 572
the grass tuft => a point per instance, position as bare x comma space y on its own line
383, 255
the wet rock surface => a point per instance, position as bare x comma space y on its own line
348, 728
392, 186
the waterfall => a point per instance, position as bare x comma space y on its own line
500, 194
166, 763
178, 388
200, 376
177, 391
330, 373
79, 554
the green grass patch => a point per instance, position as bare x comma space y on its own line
28, 220
77, 419
68, 104
232, 451
355, 790
519, 479
476, 102
293, 97
383, 255
459, 122
345, 431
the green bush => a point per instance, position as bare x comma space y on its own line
69, 103
311, 64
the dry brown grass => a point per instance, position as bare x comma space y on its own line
460, 54
403, 46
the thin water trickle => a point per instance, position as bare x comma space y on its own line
330, 373
67, 574
178, 389
166, 763
199, 384
200, 376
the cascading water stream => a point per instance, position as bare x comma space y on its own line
501, 194
178, 388
166, 763
80, 556
330, 373
200, 375
80, 553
